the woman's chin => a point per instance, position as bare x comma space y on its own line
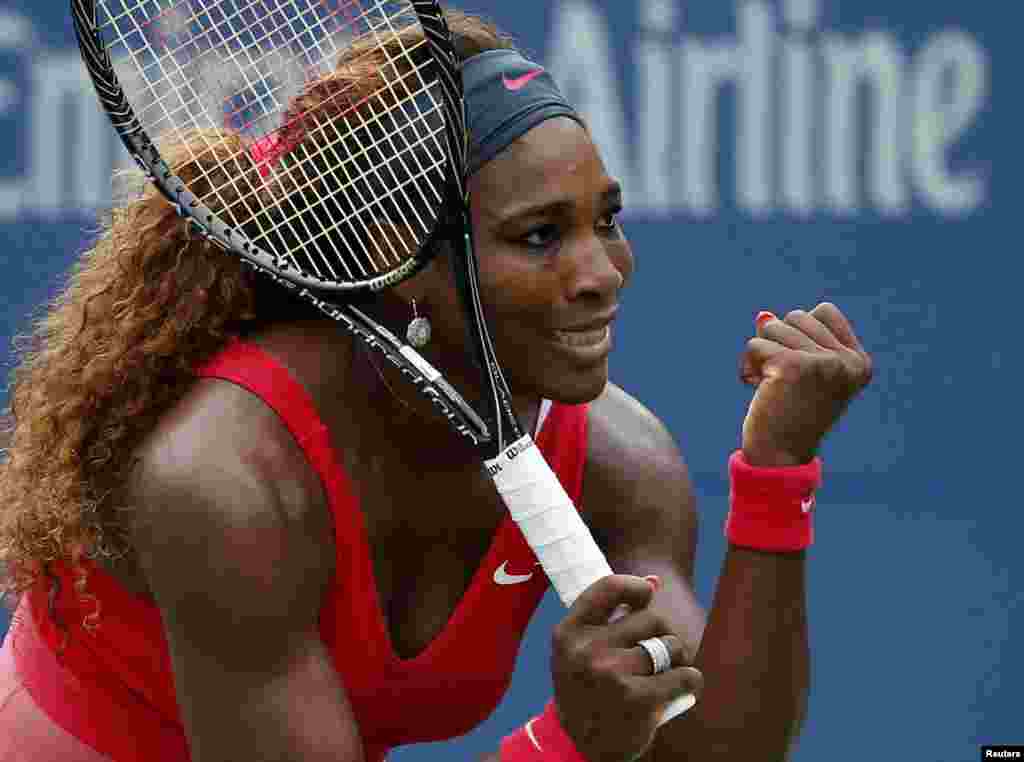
578, 388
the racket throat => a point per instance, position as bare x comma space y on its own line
496, 399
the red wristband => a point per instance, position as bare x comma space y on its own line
542, 738
771, 508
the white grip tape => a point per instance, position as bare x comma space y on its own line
555, 531
548, 519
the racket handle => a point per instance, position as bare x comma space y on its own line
555, 531
548, 520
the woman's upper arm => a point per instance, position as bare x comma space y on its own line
637, 490
640, 502
239, 569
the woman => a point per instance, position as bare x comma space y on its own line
231, 542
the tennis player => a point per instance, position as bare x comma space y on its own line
234, 535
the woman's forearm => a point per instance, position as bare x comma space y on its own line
755, 658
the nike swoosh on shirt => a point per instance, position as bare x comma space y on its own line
533, 738
502, 577
520, 82
806, 504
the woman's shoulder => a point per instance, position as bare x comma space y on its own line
621, 430
219, 434
216, 421
635, 473
222, 417
316, 353
218, 459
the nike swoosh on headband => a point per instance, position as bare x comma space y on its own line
520, 82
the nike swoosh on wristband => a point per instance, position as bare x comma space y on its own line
520, 82
502, 577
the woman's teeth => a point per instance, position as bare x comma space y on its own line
589, 338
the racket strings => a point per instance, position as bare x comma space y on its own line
379, 172
158, 100
185, 75
378, 153
235, 44
178, 84
353, 190
354, 156
390, 95
314, 186
142, 25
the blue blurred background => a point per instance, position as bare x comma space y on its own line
775, 154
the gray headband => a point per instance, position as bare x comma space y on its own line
506, 97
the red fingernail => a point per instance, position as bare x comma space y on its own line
763, 317
654, 580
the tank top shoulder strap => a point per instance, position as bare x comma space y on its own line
253, 368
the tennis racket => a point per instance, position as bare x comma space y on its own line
332, 189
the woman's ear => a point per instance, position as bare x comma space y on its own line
407, 290
434, 285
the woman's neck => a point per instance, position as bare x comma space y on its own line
383, 392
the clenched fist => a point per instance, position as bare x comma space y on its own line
806, 369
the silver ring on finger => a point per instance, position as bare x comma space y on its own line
661, 657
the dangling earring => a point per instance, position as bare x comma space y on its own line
418, 332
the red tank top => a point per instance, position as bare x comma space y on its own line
98, 684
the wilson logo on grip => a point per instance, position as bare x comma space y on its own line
517, 449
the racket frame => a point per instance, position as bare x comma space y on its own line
204, 223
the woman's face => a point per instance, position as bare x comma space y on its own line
552, 262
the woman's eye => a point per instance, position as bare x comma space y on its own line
544, 236
541, 237
610, 222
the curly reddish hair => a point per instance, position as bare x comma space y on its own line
116, 349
